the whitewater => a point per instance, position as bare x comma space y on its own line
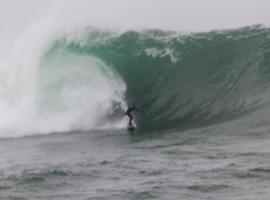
202, 133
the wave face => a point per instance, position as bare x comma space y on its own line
83, 80
185, 80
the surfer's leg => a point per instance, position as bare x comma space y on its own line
130, 119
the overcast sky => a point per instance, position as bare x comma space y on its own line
183, 15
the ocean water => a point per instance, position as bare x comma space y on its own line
202, 133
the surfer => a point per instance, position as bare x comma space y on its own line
128, 113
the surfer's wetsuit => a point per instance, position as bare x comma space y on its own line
128, 113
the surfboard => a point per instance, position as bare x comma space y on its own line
131, 127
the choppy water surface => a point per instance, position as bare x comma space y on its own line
206, 163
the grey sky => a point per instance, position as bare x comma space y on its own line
183, 15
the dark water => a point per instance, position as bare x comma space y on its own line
203, 132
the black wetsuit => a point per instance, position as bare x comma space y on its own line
128, 113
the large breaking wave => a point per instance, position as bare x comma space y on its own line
185, 80
84, 81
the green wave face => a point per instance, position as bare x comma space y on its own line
183, 80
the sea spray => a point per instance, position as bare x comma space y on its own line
43, 94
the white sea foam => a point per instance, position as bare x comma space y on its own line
69, 92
